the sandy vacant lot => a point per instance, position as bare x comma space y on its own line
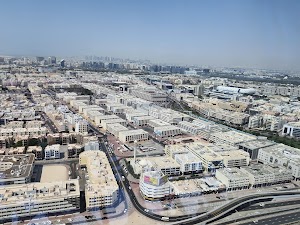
52, 173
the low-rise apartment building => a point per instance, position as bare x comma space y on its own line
283, 155
262, 175
133, 135
233, 178
16, 169
27, 200
101, 187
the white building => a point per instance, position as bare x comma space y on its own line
167, 131
157, 123
155, 96
92, 115
255, 121
53, 152
104, 123
31, 132
154, 185
166, 165
131, 115
115, 128
133, 135
252, 147
142, 120
261, 175
231, 137
91, 146
282, 155
189, 163
98, 119
82, 126
291, 129
233, 178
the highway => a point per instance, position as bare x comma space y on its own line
233, 205
292, 218
271, 205
260, 213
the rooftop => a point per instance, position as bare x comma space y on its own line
163, 162
284, 151
15, 166
233, 173
133, 132
234, 136
101, 180
10, 194
257, 144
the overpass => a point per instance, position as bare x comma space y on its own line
233, 205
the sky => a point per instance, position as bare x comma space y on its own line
248, 33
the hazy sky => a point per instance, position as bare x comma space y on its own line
264, 34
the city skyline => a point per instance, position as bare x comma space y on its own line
255, 34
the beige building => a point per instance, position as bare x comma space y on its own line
31, 132
104, 123
233, 178
101, 186
98, 119
32, 199
262, 175
115, 128
133, 135
166, 165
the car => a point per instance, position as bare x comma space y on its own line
146, 210
129, 187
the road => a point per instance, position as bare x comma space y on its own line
282, 219
271, 205
235, 204
48, 122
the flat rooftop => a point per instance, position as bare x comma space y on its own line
144, 118
159, 122
117, 127
257, 144
16, 194
263, 169
234, 136
16, 166
233, 173
163, 162
166, 128
101, 180
284, 151
133, 132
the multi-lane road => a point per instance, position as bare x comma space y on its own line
292, 218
